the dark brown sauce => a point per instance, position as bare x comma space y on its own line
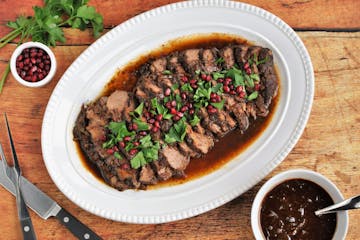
224, 150
288, 212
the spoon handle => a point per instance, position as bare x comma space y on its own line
351, 203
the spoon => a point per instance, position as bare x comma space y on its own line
348, 204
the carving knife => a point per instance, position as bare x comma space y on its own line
46, 207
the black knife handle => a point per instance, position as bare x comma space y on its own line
75, 226
27, 229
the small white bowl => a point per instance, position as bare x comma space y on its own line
17, 52
326, 184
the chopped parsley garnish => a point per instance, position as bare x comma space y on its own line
167, 72
177, 132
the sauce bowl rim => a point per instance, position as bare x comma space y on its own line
342, 218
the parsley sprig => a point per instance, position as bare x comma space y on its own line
45, 25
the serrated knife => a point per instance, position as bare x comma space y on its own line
46, 207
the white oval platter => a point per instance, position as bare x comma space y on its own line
86, 77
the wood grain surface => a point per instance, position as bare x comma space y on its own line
329, 145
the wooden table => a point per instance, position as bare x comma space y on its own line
329, 145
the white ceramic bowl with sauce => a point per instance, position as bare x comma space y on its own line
41, 82
326, 184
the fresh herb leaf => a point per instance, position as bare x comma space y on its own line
219, 60
187, 87
167, 72
218, 88
142, 126
175, 87
217, 75
197, 72
255, 76
219, 105
138, 160
117, 155
195, 120
249, 82
177, 132
262, 61
253, 95
138, 111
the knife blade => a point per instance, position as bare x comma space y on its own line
46, 207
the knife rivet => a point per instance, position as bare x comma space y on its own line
26, 228
87, 236
66, 219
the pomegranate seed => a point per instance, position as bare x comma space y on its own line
26, 61
103, 138
232, 92
122, 144
212, 110
40, 54
19, 58
173, 111
168, 105
176, 118
226, 88
28, 78
23, 74
125, 166
33, 60
173, 103
133, 151
231, 87
213, 95
134, 126
242, 95
130, 127
34, 78
190, 105
203, 76
248, 71
155, 129
159, 117
136, 144
194, 85
183, 96
151, 120
257, 87
167, 92
143, 133
157, 124
220, 80
246, 65
193, 81
218, 98
180, 114
227, 81
239, 89
110, 151
184, 109
191, 111
208, 78
41, 76
184, 79
127, 138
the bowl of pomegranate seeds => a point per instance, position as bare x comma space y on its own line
33, 64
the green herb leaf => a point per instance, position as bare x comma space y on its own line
138, 160
219, 105
217, 75
249, 82
139, 110
255, 76
195, 120
218, 88
175, 87
253, 95
167, 72
177, 132
197, 72
142, 126
187, 87
219, 60
262, 61
117, 155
